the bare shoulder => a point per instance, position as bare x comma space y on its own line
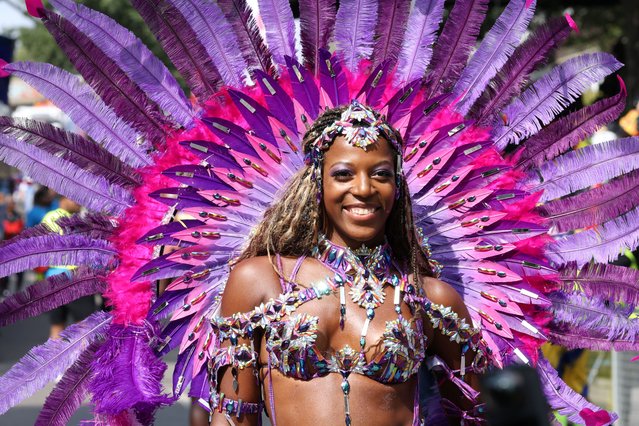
251, 282
444, 294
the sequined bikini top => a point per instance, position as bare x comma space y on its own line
291, 336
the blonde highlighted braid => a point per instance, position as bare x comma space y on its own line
292, 224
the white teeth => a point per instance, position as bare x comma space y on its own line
360, 211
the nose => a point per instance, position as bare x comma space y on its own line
362, 186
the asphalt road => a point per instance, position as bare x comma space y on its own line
17, 339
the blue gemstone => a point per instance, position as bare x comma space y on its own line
346, 387
370, 313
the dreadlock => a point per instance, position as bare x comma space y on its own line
292, 224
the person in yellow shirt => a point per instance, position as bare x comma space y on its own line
78, 309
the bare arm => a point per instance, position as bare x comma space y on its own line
449, 351
250, 283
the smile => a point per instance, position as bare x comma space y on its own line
361, 212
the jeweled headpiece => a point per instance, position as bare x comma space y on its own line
361, 128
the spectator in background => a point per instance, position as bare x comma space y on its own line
42, 204
78, 309
12, 225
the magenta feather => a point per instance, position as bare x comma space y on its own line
455, 45
562, 398
355, 24
44, 363
604, 281
317, 20
514, 75
493, 52
85, 108
603, 243
390, 30
568, 131
70, 392
132, 56
421, 33
107, 79
216, 35
46, 295
181, 45
277, 18
251, 44
89, 190
127, 374
595, 206
592, 323
539, 104
71, 147
584, 167
53, 249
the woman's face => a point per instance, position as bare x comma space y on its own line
358, 192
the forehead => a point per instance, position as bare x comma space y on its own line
340, 150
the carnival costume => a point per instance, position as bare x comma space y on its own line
523, 233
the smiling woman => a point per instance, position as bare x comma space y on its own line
344, 225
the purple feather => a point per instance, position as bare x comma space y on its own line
255, 52
455, 44
44, 363
199, 177
514, 75
46, 295
230, 134
213, 153
317, 19
421, 33
159, 269
562, 398
375, 85
568, 131
604, 281
180, 197
277, 18
66, 178
132, 56
389, 33
595, 206
183, 371
255, 114
592, 323
603, 243
216, 35
304, 89
584, 167
92, 225
53, 249
127, 374
161, 235
493, 52
181, 45
85, 108
70, 392
539, 104
172, 334
200, 386
332, 79
278, 101
107, 79
354, 31
71, 147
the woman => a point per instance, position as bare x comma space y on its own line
355, 172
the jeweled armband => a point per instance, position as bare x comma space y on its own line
233, 407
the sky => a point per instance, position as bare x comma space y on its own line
10, 18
